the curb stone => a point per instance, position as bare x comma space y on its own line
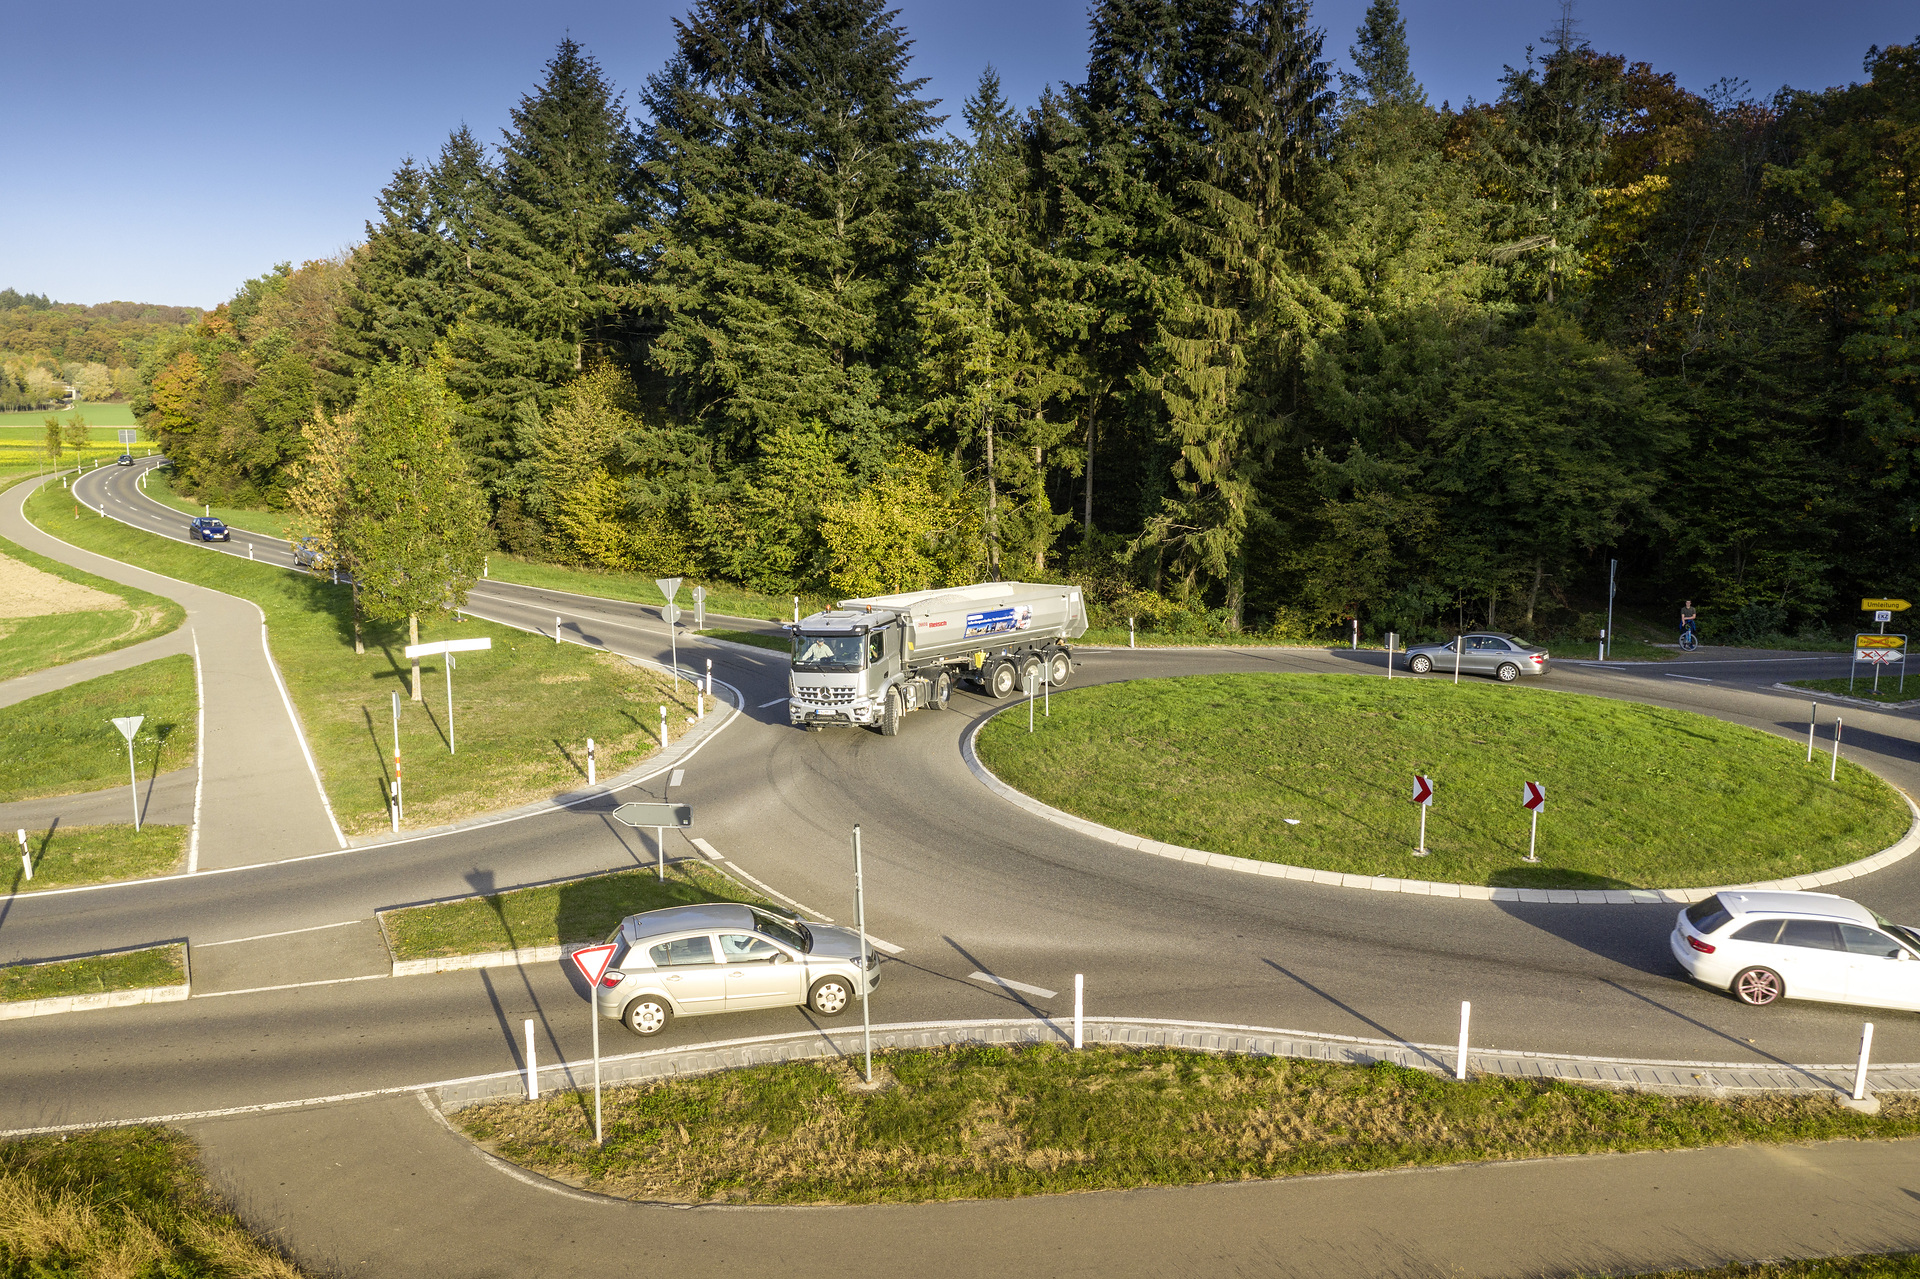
1849, 701
1903, 848
14, 1009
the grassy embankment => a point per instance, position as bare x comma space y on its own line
121, 1202
64, 742
68, 856
522, 712
96, 974
35, 642
1890, 687
552, 914
1637, 796
993, 1123
1896, 1265
248, 519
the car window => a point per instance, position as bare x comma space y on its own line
1814, 934
687, 950
873, 646
1485, 644
1707, 915
1766, 930
745, 948
1867, 941
780, 929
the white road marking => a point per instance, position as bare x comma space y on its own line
234, 941
1021, 986
679, 775
887, 946
706, 848
1698, 679
775, 702
297, 985
734, 869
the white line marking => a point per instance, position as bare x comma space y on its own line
679, 775
299, 733
500, 1165
297, 985
1041, 991
708, 849
234, 941
887, 946
775, 702
1698, 679
199, 758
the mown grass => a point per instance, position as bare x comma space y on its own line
522, 712
723, 600
1637, 796
102, 415
96, 974
1895, 1265
20, 457
991, 1122
67, 856
552, 914
1890, 687
64, 742
29, 644
124, 1202
777, 643
251, 520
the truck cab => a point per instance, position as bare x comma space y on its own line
847, 668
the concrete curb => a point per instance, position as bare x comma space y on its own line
489, 959
111, 998
1849, 701
1695, 1078
1906, 846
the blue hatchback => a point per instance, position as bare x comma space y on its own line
208, 529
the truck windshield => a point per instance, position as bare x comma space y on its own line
827, 652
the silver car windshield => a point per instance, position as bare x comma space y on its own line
781, 930
827, 652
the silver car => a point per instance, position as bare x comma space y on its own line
1496, 653
688, 961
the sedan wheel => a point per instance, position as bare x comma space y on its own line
1507, 673
1759, 987
647, 1015
830, 996
1421, 664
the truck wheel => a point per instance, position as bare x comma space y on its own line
1058, 668
1030, 674
942, 690
1002, 680
890, 714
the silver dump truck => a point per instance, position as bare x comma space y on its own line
870, 661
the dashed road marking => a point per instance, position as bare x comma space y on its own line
234, 941
1698, 679
1020, 986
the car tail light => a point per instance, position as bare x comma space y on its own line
1539, 657
1704, 948
610, 979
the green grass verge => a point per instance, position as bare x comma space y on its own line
29, 644
101, 415
64, 742
1890, 690
722, 600
68, 856
1637, 796
96, 974
992, 1122
522, 712
121, 1202
1894, 1265
248, 519
552, 914
777, 643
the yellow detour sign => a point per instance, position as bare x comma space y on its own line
1880, 648
1879, 641
1890, 606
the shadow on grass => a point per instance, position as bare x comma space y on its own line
1552, 877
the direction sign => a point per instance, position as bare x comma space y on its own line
1870, 640
1422, 789
128, 437
593, 960
654, 814
1895, 606
1885, 656
449, 646
1533, 796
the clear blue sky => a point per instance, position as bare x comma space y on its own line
166, 154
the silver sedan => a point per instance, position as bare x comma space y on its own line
1496, 653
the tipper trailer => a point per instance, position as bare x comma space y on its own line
870, 661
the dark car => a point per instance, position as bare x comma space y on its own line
208, 529
126, 459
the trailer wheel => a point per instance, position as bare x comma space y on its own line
890, 714
942, 690
1002, 680
1030, 674
1058, 668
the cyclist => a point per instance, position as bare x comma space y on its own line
1689, 627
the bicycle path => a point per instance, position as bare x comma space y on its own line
54, 678
259, 796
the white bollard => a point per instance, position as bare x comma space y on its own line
533, 1071
486, 563
1813, 716
1460, 1062
393, 804
590, 778
1833, 770
26, 857
663, 728
1129, 632
249, 550
1079, 1005
709, 677
556, 629
1860, 1072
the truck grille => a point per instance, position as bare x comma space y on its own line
826, 696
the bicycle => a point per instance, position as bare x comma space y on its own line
1688, 641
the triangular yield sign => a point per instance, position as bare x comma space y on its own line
593, 960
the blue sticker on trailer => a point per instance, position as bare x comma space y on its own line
999, 621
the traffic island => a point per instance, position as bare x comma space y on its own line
70, 856
148, 975
1316, 774
990, 1121
64, 743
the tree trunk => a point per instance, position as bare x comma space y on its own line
1539, 574
1040, 484
359, 645
1086, 520
413, 637
1493, 603
1236, 592
993, 509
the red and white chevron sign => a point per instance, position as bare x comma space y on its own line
1533, 796
1422, 789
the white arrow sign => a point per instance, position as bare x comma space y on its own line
1533, 795
448, 646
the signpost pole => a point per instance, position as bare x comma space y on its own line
860, 962
1422, 850
449, 674
660, 853
398, 793
1813, 716
1533, 838
1390, 638
1612, 566
1459, 642
593, 1012
1833, 772
128, 727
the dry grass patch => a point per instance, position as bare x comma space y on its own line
978, 1122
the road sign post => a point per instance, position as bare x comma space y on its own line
699, 608
1423, 796
592, 961
658, 816
1612, 568
860, 961
1533, 797
446, 648
1391, 637
1878, 650
399, 793
128, 727
670, 587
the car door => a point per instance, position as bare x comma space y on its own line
759, 973
1877, 975
689, 975
1482, 655
1813, 961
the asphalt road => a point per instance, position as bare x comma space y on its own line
960, 881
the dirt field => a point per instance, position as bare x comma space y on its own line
27, 592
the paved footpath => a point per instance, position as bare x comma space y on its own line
259, 797
54, 678
383, 1187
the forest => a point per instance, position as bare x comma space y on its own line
47, 346
1243, 345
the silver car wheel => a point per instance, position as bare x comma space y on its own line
1507, 673
829, 996
647, 1015
1758, 987
1421, 664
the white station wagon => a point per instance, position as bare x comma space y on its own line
1765, 947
